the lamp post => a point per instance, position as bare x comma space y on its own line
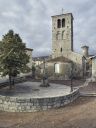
71, 86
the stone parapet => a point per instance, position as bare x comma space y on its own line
17, 104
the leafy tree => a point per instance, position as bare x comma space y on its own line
13, 57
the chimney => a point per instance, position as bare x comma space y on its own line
85, 51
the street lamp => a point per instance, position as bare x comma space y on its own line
71, 86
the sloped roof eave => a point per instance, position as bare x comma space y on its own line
60, 59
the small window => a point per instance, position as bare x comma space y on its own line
61, 49
63, 22
57, 68
58, 23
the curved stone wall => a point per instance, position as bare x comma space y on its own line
17, 104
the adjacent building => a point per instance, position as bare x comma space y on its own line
29, 53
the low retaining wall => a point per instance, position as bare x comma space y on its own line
17, 104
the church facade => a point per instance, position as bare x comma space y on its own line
65, 61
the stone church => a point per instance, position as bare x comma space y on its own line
65, 61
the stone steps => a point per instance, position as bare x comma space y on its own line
87, 94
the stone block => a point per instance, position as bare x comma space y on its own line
44, 103
17, 104
58, 105
7, 98
36, 102
19, 108
30, 104
49, 107
54, 106
47, 100
21, 100
5, 102
45, 107
23, 104
31, 100
27, 108
12, 103
33, 107
12, 99
62, 104
23, 108
12, 108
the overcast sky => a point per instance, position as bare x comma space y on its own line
32, 20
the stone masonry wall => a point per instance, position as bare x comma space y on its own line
62, 37
13, 104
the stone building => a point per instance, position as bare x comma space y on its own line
37, 61
59, 67
65, 61
62, 34
94, 67
29, 53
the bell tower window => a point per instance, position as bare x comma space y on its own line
61, 49
63, 22
58, 23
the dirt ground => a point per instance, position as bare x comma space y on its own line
79, 114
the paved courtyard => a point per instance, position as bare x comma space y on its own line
33, 89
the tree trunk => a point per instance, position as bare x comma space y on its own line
33, 74
13, 82
10, 82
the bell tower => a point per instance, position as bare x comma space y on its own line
62, 34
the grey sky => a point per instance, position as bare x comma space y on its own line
32, 20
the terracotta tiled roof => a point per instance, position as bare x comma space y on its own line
60, 59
